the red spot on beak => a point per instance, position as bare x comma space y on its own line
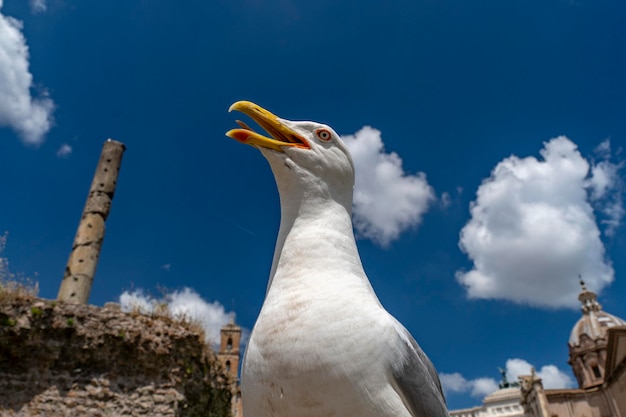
240, 135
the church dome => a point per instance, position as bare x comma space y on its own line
594, 323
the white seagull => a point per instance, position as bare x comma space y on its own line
323, 345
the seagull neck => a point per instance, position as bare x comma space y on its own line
315, 234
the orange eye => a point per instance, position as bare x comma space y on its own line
324, 135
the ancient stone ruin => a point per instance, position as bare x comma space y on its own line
64, 359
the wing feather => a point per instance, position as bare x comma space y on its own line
415, 379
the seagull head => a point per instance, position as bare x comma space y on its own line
306, 157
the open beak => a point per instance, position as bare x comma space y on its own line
282, 136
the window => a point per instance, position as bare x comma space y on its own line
596, 371
229, 344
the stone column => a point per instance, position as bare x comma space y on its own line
81, 266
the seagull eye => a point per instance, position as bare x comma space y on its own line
323, 135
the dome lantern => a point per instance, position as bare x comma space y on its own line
588, 340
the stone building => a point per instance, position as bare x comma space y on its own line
505, 402
597, 355
230, 356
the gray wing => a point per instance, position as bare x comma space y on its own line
415, 379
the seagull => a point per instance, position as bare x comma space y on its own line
323, 345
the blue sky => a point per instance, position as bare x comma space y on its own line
514, 108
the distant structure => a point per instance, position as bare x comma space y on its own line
505, 402
81, 265
230, 356
597, 355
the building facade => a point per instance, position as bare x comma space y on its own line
597, 355
505, 402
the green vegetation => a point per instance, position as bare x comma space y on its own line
70, 321
36, 311
7, 321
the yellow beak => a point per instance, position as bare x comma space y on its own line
282, 135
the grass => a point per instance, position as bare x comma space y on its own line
36, 311
7, 321
14, 286
17, 289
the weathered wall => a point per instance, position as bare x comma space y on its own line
60, 359
578, 403
617, 388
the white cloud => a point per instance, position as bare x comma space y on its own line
38, 6
603, 150
446, 200
64, 151
456, 383
137, 300
606, 188
602, 178
387, 201
551, 377
481, 387
184, 304
30, 117
614, 213
554, 378
606, 193
533, 230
